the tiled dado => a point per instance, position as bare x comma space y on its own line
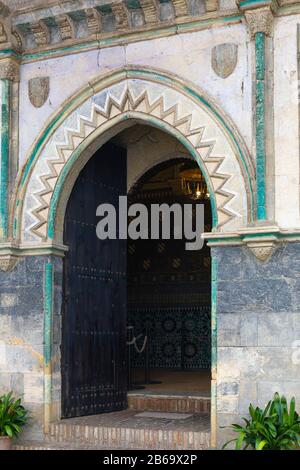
168, 403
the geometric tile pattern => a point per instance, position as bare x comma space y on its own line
147, 99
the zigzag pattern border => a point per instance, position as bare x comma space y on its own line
73, 137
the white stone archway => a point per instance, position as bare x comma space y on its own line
100, 116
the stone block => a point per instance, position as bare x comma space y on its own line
266, 390
228, 388
8, 299
2, 353
5, 385
227, 404
5, 326
31, 301
224, 432
256, 295
29, 328
17, 384
278, 329
33, 387
228, 330
247, 395
21, 357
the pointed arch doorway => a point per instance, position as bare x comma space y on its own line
95, 308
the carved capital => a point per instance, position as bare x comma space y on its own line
259, 20
8, 262
9, 69
263, 251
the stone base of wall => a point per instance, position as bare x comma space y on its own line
258, 323
22, 294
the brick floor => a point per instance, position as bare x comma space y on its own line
125, 430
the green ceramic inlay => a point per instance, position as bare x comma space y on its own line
249, 3
214, 278
260, 126
48, 311
4, 155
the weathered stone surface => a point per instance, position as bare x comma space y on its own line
258, 327
22, 334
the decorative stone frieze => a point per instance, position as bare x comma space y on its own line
150, 11
44, 26
93, 19
65, 26
180, 7
40, 33
121, 15
211, 5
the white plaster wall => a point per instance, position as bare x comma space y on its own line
153, 145
286, 122
187, 55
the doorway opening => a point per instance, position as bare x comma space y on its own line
152, 288
168, 291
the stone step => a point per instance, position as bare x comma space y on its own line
42, 445
133, 430
170, 403
46, 445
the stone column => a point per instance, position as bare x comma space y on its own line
9, 73
260, 22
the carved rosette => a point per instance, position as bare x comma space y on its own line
9, 70
259, 20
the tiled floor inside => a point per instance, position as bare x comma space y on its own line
174, 381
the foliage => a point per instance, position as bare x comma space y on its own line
13, 416
276, 427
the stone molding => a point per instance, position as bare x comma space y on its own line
12, 253
261, 240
